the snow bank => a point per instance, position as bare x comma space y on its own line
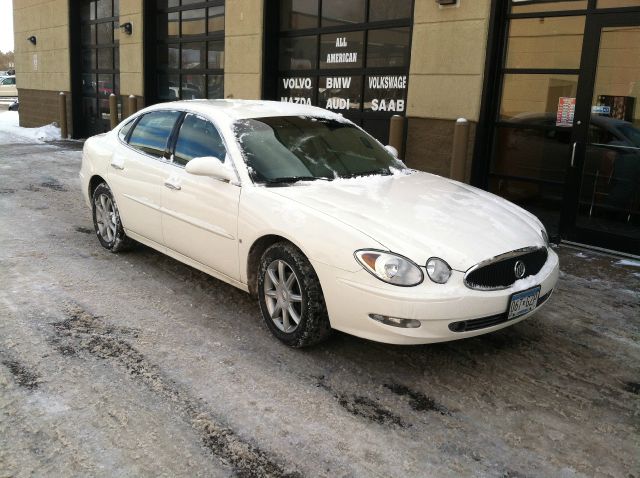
10, 131
628, 262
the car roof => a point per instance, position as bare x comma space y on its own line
235, 109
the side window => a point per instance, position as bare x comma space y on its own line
152, 132
197, 138
124, 131
11, 81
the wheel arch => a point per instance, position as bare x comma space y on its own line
256, 250
93, 183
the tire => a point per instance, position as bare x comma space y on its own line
302, 295
106, 220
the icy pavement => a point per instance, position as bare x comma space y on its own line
136, 365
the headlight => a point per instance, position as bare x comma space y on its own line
390, 268
438, 270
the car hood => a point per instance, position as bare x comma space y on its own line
421, 215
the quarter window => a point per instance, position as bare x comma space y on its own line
198, 138
152, 132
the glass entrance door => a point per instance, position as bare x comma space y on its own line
604, 178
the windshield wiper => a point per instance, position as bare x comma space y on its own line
375, 172
292, 179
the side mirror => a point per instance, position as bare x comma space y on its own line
210, 166
392, 150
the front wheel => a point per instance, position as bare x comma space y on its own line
291, 299
106, 220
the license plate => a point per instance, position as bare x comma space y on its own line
523, 302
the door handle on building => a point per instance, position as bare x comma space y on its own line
573, 154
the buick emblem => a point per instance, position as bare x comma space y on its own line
519, 269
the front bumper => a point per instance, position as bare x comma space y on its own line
352, 296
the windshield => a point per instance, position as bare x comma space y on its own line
294, 148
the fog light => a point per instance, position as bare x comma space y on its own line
396, 322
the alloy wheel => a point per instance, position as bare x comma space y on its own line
106, 217
283, 296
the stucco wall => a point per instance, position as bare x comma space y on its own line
131, 49
243, 49
447, 59
44, 66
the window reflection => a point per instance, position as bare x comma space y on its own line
298, 53
389, 9
525, 96
339, 12
551, 42
298, 14
388, 47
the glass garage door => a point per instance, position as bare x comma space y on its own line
350, 57
99, 30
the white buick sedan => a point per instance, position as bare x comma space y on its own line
309, 213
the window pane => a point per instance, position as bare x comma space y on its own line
193, 55
529, 97
339, 12
298, 14
169, 56
389, 10
341, 50
105, 59
88, 33
105, 85
551, 42
549, 6
168, 87
215, 55
198, 138
88, 60
385, 93
193, 87
340, 93
168, 26
194, 22
388, 47
296, 89
89, 83
122, 134
105, 32
618, 3
215, 86
104, 9
152, 132
216, 19
298, 53
534, 153
168, 3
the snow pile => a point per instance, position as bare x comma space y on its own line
10, 131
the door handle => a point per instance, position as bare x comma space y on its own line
173, 186
117, 163
573, 154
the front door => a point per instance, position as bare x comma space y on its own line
604, 175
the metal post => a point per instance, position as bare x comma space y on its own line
396, 133
62, 112
113, 110
459, 151
132, 106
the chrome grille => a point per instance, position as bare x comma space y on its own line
499, 272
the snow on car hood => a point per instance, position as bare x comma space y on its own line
420, 215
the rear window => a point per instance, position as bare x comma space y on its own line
152, 132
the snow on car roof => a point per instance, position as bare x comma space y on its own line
235, 109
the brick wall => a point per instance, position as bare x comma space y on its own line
40, 107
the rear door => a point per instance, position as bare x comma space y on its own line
139, 165
200, 214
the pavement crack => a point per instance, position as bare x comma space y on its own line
82, 331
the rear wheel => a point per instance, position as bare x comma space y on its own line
291, 298
106, 220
